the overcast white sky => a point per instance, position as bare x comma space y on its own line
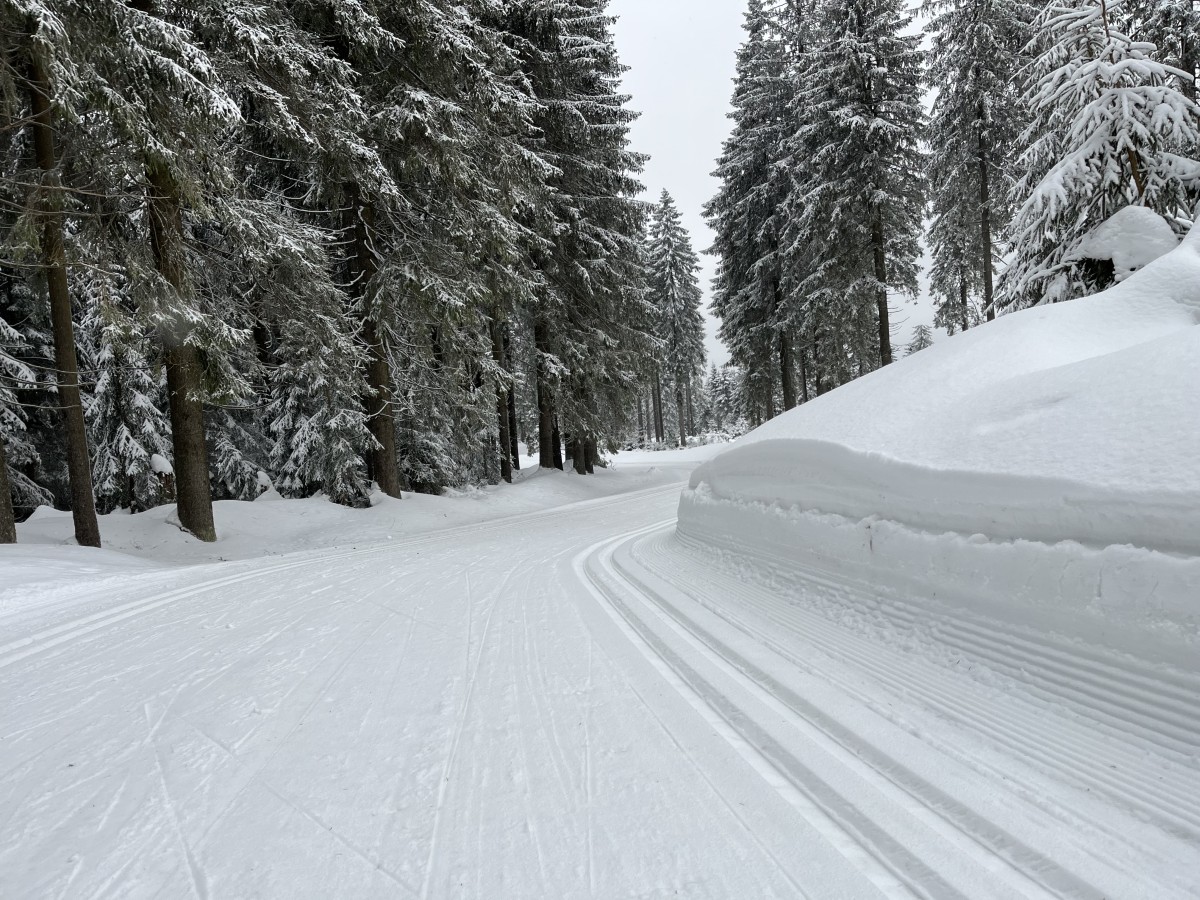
681, 56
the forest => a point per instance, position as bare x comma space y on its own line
322, 245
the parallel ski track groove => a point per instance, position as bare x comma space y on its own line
997, 843
1176, 805
1087, 678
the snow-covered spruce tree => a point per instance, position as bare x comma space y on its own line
41, 71
126, 425
434, 254
922, 338
23, 460
590, 321
974, 61
1173, 26
154, 121
1109, 128
675, 293
858, 195
747, 213
301, 135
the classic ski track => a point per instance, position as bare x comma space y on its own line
1176, 804
997, 843
890, 866
470, 673
731, 590
66, 632
1087, 679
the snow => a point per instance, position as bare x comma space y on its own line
558, 689
160, 466
1048, 458
1133, 237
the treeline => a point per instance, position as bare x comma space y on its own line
1046, 120
339, 242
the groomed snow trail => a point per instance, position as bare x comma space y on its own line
575, 703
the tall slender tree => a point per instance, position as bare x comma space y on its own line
675, 291
974, 62
860, 201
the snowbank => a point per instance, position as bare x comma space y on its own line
1066, 431
270, 526
1132, 238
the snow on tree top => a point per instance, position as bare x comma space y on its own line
160, 466
1132, 237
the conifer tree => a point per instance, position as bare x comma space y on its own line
859, 201
675, 292
590, 321
922, 338
1109, 127
748, 213
974, 63
123, 408
48, 74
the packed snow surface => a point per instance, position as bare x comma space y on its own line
547, 690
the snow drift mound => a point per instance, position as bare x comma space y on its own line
1078, 422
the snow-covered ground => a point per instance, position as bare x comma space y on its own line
932, 635
1046, 462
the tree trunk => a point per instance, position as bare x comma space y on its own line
660, 431
985, 221
803, 378
770, 392
691, 410
785, 372
641, 421
579, 456
545, 401
511, 399
556, 440
54, 261
185, 371
504, 442
962, 301
382, 460
881, 302
818, 370
590, 454
8, 521
681, 408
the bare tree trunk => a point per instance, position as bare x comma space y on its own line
691, 410
803, 378
985, 222
556, 439
881, 302
590, 454
381, 418
641, 421
681, 409
785, 372
54, 261
503, 442
818, 370
185, 371
511, 400
8, 521
579, 456
962, 302
545, 401
660, 431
